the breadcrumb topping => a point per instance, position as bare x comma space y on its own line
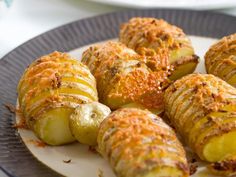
201, 106
52, 81
220, 59
123, 76
143, 33
140, 142
150, 36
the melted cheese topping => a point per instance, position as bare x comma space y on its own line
220, 59
148, 36
201, 107
124, 77
138, 142
53, 81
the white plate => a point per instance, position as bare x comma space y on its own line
85, 163
187, 4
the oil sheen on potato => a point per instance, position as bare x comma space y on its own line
202, 108
220, 59
147, 36
49, 90
137, 143
126, 78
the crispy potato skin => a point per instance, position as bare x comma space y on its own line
85, 121
137, 143
220, 59
54, 83
224, 168
149, 35
201, 107
125, 77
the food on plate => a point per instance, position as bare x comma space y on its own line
149, 35
124, 77
225, 167
138, 143
49, 90
220, 59
85, 121
202, 108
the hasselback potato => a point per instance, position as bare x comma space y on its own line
124, 77
137, 143
49, 90
220, 59
148, 35
202, 108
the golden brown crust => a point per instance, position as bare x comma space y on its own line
224, 168
220, 58
137, 142
150, 33
203, 85
149, 36
125, 76
184, 60
53, 81
191, 102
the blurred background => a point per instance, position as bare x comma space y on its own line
21, 20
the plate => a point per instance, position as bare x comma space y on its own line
187, 4
15, 157
79, 155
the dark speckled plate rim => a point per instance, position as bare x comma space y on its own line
15, 158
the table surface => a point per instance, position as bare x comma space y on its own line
26, 19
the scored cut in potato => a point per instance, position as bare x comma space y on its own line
49, 90
124, 77
85, 121
202, 108
137, 143
225, 167
149, 35
220, 59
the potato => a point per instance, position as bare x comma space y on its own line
225, 167
202, 108
124, 77
49, 90
220, 59
147, 36
86, 119
137, 143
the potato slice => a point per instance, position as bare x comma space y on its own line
183, 66
53, 127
